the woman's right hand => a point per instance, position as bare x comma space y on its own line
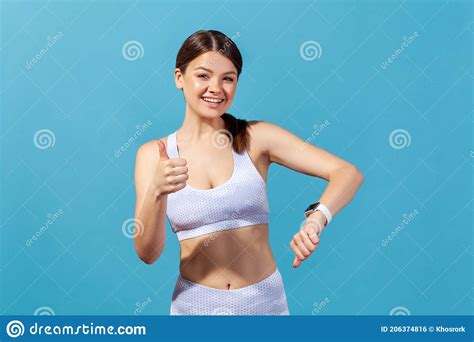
172, 173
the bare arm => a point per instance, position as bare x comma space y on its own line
150, 209
155, 177
285, 148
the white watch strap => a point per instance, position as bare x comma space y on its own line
321, 207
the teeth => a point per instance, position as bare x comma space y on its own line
208, 99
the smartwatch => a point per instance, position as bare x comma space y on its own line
321, 207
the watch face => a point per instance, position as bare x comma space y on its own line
312, 206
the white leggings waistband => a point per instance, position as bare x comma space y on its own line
266, 297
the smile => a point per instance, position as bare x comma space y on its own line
212, 100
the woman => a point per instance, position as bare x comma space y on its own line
209, 179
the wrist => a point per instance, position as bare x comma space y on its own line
155, 194
319, 218
319, 207
160, 195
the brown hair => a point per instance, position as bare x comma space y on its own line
204, 41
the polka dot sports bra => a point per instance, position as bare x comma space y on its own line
241, 201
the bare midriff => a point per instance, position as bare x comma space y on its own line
228, 259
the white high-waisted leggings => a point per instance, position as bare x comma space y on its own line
266, 297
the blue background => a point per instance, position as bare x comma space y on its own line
92, 100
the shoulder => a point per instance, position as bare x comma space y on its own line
264, 129
264, 134
149, 151
274, 141
259, 128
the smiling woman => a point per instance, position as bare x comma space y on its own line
209, 178
208, 66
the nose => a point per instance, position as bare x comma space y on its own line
215, 86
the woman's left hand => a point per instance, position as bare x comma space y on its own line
307, 239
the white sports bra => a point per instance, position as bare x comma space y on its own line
241, 201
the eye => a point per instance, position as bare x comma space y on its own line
230, 79
204, 76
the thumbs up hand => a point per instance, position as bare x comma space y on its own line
172, 173
162, 148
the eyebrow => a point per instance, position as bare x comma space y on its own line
209, 70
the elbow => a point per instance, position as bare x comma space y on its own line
148, 259
358, 175
354, 174
147, 256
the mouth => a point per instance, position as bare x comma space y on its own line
213, 102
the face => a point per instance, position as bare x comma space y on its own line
209, 84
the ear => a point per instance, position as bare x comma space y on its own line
178, 78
